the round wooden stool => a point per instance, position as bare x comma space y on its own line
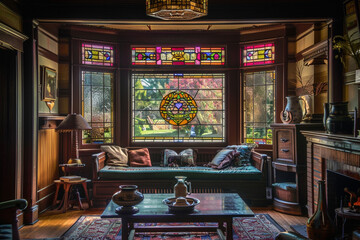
67, 187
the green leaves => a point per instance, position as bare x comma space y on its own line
347, 45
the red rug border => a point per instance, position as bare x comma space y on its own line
78, 222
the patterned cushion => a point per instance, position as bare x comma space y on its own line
182, 159
243, 159
220, 156
223, 159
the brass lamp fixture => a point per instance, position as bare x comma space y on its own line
177, 9
73, 123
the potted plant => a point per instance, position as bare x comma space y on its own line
348, 46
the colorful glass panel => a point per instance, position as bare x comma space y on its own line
259, 54
98, 106
203, 120
259, 107
178, 56
95, 54
178, 108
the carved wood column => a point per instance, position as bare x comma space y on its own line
30, 121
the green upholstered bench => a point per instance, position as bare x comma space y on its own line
249, 181
192, 173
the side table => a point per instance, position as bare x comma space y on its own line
67, 187
345, 214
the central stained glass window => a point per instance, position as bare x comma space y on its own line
178, 107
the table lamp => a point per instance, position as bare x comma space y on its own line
73, 123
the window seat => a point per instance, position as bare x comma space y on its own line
249, 181
166, 173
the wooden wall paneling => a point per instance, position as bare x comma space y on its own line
48, 167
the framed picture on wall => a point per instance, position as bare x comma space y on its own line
48, 83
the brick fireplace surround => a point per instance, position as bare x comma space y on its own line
333, 154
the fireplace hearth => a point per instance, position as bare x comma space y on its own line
336, 183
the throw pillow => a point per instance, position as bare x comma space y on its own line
223, 158
139, 158
184, 158
243, 159
116, 156
220, 156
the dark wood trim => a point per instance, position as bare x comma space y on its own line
11, 38
30, 122
49, 121
46, 53
335, 68
315, 54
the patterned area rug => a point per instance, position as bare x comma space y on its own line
262, 226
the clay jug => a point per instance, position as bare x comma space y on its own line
320, 226
181, 187
293, 112
339, 120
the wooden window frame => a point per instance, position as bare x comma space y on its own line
123, 69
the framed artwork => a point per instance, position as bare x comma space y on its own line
48, 84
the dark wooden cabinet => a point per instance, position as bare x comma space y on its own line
289, 167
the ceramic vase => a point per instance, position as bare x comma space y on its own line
320, 226
181, 187
307, 107
293, 112
127, 198
339, 120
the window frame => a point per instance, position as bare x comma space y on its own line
123, 69
182, 144
78, 68
279, 91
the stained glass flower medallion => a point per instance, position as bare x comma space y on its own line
178, 108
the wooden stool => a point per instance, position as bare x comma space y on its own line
67, 187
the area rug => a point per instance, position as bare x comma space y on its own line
262, 226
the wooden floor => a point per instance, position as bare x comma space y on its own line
53, 224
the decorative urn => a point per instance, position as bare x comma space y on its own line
127, 198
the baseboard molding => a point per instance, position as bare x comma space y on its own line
31, 215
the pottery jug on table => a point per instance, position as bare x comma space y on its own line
293, 112
181, 187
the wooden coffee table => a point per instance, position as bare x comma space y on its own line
213, 207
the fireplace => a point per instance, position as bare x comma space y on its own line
335, 159
336, 182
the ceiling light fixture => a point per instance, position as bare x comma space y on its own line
177, 9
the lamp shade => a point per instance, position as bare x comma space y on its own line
73, 122
176, 9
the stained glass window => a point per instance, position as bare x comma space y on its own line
97, 106
259, 107
178, 56
96, 54
178, 108
205, 91
258, 54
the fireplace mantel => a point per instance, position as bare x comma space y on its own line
334, 152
